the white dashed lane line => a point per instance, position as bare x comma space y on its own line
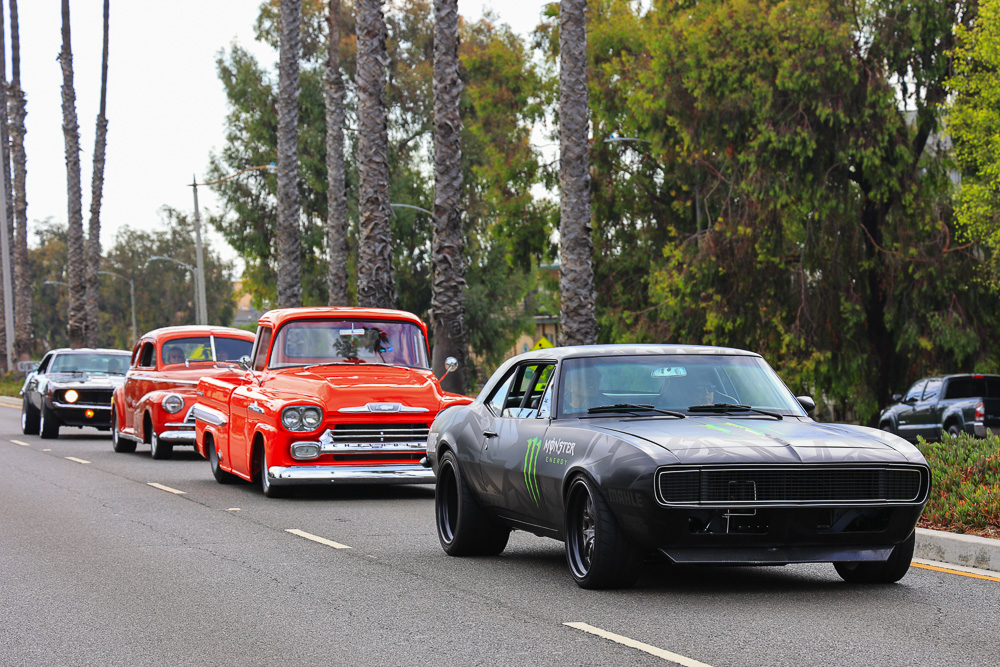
76, 460
165, 488
316, 538
631, 643
22, 444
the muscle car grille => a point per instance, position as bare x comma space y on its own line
745, 486
87, 396
375, 435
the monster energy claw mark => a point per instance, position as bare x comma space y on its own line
530, 468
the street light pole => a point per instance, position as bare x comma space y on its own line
194, 276
199, 258
131, 293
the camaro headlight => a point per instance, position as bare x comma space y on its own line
173, 403
301, 418
71, 396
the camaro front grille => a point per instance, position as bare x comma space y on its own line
87, 396
792, 485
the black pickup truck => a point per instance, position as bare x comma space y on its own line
950, 404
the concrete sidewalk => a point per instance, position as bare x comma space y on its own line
933, 546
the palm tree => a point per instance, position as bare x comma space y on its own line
71, 132
5, 227
288, 242
336, 216
97, 188
447, 251
576, 282
376, 279
22, 279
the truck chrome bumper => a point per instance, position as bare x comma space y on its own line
346, 474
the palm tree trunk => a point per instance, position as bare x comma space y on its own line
22, 279
576, 282
336, 216
97, 190
75, 253
289, 246
5, 226
448, 245
376, 279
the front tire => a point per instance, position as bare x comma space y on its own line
269, 489
463, 528
598, 553
48, 425
220, 475
888, 572
118, 443
159, 449
29, 418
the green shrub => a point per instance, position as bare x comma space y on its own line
965, 487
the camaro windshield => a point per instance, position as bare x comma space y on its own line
673, 382
317, 342
110, 364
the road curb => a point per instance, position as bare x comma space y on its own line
12, 401
981, 553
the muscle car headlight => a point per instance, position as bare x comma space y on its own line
71, 396
173, 403
301, 417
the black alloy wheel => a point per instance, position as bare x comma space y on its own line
598, 553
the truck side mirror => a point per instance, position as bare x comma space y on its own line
244, 362
450, 364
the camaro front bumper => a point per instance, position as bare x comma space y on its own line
347, 474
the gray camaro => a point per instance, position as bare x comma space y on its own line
701, 454
71, 387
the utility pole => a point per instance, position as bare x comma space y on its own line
199, 258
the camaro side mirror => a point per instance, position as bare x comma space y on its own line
807, 403
896, 397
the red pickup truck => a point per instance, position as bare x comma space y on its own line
342, 395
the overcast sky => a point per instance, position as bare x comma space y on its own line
166, 107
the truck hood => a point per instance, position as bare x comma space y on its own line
351, 386
718, 439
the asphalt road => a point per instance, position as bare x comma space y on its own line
99, 567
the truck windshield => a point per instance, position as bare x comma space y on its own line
316, 342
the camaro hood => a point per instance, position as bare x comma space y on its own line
701, 439
357, 385
96, 380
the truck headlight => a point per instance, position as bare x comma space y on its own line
301, 418
173, 403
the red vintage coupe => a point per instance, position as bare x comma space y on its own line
154, 404
341, 395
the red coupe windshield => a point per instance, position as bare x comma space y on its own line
310, 342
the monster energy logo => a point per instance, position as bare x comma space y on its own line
531, 469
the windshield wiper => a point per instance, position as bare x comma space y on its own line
633, 407
732, 407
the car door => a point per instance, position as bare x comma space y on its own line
904, 412
925, 417
138, 382
35, 384
513, 442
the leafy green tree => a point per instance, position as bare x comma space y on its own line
974, 123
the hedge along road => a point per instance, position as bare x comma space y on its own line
118, 558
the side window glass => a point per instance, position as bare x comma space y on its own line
932, 389
499, 396
147, 358
545, 407
43, 366
525, 398
915, 391
260, 348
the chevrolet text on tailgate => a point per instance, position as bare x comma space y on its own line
342, 395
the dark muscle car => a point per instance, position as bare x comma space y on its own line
701, 454
71, 388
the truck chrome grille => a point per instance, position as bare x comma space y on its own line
375, 437
792, 485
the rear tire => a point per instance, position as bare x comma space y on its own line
48, 425
954, 430
463, 528
159, 449
29, 418
888, 572
598, 553
118, 443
